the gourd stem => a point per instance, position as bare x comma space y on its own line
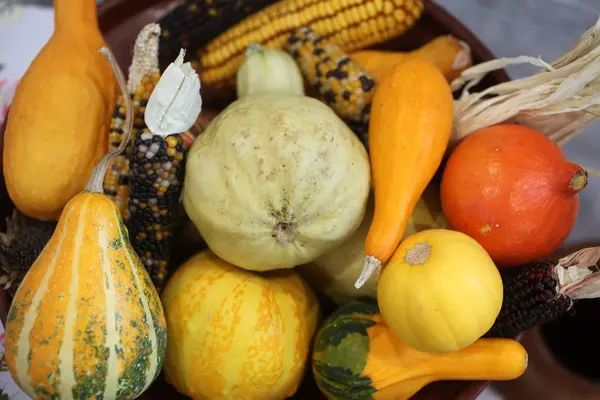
370, 265
254, 48
285, 232
96, 182
579, 181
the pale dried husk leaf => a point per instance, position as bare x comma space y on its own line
175, 102
578, 274
560, 101
145, 55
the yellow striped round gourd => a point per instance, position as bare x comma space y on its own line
237, 334
86, 321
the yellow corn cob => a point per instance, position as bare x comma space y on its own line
351, 24
343, 84
116, 180
111, 178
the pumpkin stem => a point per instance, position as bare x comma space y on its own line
96, 181
285, 232
371, 265
579, 181
578, 274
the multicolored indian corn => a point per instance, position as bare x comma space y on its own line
157, 167
351, 24
193, 23
344, 85
145, 181
116, 180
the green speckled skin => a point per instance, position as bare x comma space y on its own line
340, 351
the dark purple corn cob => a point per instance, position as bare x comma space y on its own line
530, 299
541, 292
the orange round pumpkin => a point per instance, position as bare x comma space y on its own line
513, 190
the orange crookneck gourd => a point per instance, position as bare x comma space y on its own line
409, 130
59, 117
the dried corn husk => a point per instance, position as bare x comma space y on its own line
560, 101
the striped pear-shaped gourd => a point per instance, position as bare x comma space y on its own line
86, 322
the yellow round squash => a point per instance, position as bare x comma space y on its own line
440, 291
235, 334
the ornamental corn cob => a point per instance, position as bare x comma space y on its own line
157, 172
116, 180
530, 299
344, 85
351, 24
20, 246
193, 23
143, 76
157, 165
541, 292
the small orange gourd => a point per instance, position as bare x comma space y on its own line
86, 322
449, 54
409, 130
58, 125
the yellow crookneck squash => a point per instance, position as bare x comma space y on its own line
356, 356
237, 334
59, 117
86, 322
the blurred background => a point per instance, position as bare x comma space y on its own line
545, 28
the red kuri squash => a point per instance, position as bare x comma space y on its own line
513, 190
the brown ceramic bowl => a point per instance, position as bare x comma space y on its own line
121, 20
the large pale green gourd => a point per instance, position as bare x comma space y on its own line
276, 180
